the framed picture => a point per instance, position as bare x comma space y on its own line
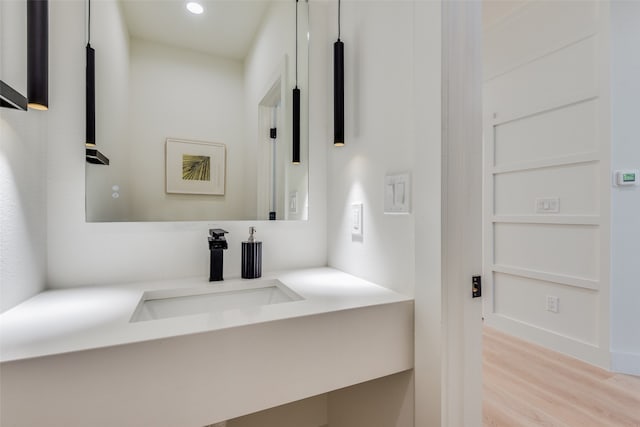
195, 167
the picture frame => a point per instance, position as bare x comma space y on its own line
195, 167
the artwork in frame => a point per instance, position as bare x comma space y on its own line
195, 167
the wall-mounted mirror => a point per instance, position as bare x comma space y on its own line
183, 100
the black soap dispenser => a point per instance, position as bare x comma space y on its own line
251, 257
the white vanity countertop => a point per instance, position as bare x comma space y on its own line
91, 317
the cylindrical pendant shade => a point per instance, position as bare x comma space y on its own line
338, 93
38, 54
296, 125
91, 96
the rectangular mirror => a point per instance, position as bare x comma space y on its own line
215, 82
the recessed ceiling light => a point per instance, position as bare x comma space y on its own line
195, 8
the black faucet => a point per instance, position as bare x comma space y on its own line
217, 243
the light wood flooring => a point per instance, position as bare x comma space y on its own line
527, 385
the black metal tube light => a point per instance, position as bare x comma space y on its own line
338, 88
38, 54
296, 126
92, 154
295, 158
91, 96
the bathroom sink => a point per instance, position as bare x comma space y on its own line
163, 304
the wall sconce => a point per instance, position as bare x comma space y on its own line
38, 54
93, 155
338, 89
296, 107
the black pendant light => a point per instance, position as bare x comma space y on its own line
38, 54
92, 154
338, 88
296, 106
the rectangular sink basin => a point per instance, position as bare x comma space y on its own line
163, 304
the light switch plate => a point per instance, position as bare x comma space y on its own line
293, 202
397, 193
548, 205
356, 219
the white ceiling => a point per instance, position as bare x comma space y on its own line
226, 28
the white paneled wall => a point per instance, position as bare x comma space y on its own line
546, 137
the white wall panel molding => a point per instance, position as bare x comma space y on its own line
568, 250
526, 61
566, 76
547, 163
525, 300
547, 137
584, 351
509, 44
548, 219
561, 279
508, 117
573, 189
557, 132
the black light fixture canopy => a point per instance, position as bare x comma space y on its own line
38, 54
92, 154
295, 158
338, 88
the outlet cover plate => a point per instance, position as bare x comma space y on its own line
548, 205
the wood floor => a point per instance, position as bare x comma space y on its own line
527, 385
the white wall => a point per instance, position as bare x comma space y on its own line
23, 148
392, 124
546, 132
625, 202
430, 348
23, 238
379, 140
92, 253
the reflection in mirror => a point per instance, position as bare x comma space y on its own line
218, 82
13, 55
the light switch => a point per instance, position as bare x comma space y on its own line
356, 219
293, 202
398, 198
397, 193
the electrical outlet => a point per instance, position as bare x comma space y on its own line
553, 304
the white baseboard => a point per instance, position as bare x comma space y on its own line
552, 340
625, 363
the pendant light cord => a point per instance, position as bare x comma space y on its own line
338, 19
89, 24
